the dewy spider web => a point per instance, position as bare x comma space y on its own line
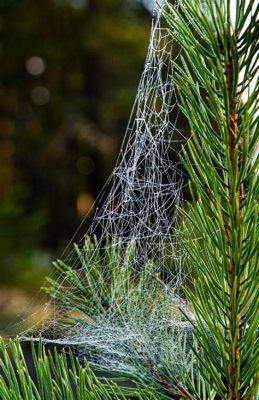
146, 184
139, 218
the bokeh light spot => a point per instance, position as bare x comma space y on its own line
35, 65
40, 95
85, 202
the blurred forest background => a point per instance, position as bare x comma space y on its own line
69, 71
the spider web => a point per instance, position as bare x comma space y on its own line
145, 188
139, 211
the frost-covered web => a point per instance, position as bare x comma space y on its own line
138, 218
146, 184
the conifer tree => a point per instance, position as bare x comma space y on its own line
215, 83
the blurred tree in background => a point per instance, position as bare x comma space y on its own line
69, 70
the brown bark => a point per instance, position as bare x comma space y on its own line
234, 318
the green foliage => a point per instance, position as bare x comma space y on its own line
58, 377
125, 325
124, 318
129, 322
105, 281
218, 64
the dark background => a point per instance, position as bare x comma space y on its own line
69, 71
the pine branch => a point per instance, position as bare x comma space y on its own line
216, 68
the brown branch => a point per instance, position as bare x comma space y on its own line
178, 390
251, 397
233, 134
